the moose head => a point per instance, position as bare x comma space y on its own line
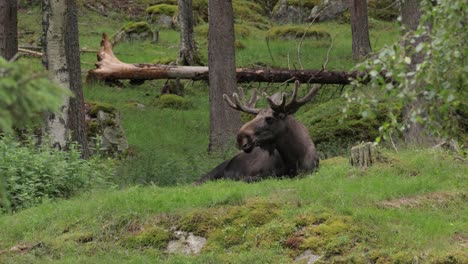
270, 124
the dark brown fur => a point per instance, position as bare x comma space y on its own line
274, 143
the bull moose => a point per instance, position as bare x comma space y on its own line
274, 143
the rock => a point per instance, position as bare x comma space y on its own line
104, 130
186, 243
328, 10
134, 31
307, 257
287, 13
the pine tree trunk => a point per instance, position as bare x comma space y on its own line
8, 28
224, 121
359, 29
62, 59
188, 51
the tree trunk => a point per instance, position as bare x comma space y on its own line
224, 121
416, 134
359, 29
8, 28
188, 54
110, 68
62, 59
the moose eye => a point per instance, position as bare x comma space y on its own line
269, 120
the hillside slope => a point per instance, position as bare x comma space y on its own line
407, 208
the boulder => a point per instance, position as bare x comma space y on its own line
292, 11
134, 31
162, 15
328, 10
186, 243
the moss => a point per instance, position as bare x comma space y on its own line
297, 31
92, 128
95, 107
238, 45
250, 13
303, 3
162, 9
155, 237
203, 221
325, 234
136, 27
256, 212
173, 101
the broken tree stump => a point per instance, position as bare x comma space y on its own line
110, 68
363, 155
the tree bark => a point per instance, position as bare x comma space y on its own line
224, 121
416, 134
359, 29
8, 28
188, 54
62, 59
110, 68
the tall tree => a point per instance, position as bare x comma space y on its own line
188, 54
224, 121
62, 59
8, 28
359, 29
410, 18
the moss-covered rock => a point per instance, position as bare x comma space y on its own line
155, 237
104, 131
293, 11
162, 9
133, 31
95, 107
136, 27
173, 101
297, 31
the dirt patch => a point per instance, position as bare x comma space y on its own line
438, 199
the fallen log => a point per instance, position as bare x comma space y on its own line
110, 68
37, 51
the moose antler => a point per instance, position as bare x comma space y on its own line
244, 106
293, 105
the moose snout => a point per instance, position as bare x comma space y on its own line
245, 142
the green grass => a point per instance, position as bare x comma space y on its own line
338, 213
92, 227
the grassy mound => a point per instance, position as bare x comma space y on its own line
337, 214
173, 101
297, 31
332, 133
136, 27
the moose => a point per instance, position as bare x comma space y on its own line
274, 143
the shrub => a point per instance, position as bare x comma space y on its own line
173, 101
297, 31
34, 173
24, 93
